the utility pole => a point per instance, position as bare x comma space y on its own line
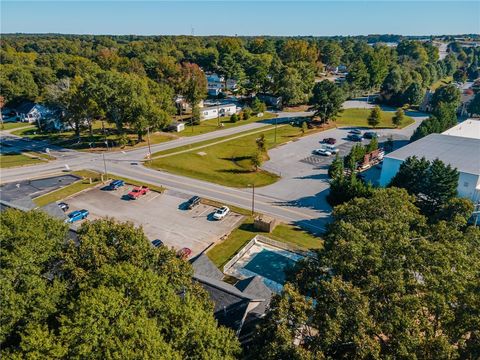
275, 132
218, 114
253, 198
105, 166
148, 141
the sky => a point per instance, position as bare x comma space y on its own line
291, 18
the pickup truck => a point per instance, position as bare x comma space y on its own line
137, 192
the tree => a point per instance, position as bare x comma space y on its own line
258, 106
327, 100
460, 76
261, 143
358, 75
474, 105
336, 168
257, 160
234, 118
81, 299
194, 87
331, 53
433, 183
304, 127
372, 145
381, 287
375, 117
413, 95
447, 94
399, 117
346, 188
17, 84
290, 86
247, 113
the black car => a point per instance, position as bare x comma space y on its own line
194, 201
356, 132
370, 135
63, 206
354, 137
157, 243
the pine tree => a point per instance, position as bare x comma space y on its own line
375, 117
398, 117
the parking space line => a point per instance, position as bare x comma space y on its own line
153, 198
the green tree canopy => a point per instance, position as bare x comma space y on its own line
109, 294
327, 100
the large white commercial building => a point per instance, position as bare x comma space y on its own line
458, 146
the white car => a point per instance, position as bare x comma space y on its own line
322, 151
221, 213
330, 148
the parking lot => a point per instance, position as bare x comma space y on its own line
162, 216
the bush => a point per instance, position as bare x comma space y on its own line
258, 106
247, 113
234, 118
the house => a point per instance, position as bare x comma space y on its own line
219, 110
271, 100
217, 82
30, 112
238, 306
458, 147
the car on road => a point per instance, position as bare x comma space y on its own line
63, 206
192, 202
330, 148
329, 140
355, 137
184, 253
157, 243
137, 192
322, 151
77, 215
115, 184
221, 213
370, 135
356, 132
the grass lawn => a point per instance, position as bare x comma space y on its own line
225, 250
227, 163
95, 142
14, 125
358, 117
89, 180
212, 124
12, 160
444, 81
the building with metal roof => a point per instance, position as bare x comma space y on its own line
459, 147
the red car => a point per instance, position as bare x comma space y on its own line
330, 141
138, 191
184, 253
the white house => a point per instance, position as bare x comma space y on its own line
458, 146
218, 83
220, 110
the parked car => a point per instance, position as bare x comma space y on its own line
330, 141
115, 184
370, 135
64, 206
354, 137
157, 243
330, 148
77, 215
356, 132
322, 151
221, 213
138, 191
194, 201
184, 253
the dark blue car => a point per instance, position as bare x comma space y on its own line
355, 137
115, 184
77, 215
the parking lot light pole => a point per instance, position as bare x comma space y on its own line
275, 139
148, 141
105, 166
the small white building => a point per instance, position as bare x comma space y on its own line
220, 110
458, 147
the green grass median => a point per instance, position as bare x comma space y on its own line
359, 117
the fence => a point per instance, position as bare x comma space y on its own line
267, 241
